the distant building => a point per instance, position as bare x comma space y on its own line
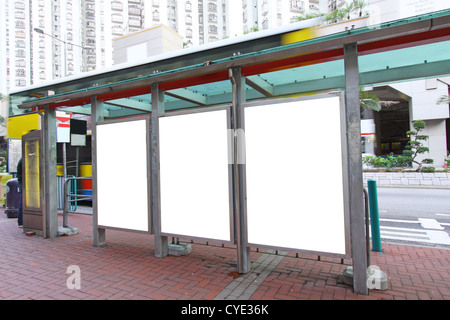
77, 35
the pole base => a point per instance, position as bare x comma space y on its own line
67, 231
179, 249
376, 279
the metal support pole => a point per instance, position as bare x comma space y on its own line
353, 124
239, 172
66, 204
51, 199
97, 112
64, 152
161, 242
374, 216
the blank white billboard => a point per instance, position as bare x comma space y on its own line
194, 175
122, 175
294, 165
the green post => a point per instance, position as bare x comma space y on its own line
374, 217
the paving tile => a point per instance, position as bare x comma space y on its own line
126, 269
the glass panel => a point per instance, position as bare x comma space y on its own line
404, 57
32, 185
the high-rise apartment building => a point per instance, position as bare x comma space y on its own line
267, 14
43, 40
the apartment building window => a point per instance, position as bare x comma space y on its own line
20, 72
42, 54
117, 17
42, 65
20, 24
41, 3
188, 33
117, 5
172, 12
134, 21
188, 6
20, 34
213, 29
20, 44
69, 26
156, 15
19, 5
188, 19
41, 12
69, 16
155, 3
297, 5
21, 83
212, 7
41, 44
117, 30
212, 17
19, 15
134, 10
20, 53
20, 63
42, 75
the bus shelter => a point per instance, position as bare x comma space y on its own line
252, 141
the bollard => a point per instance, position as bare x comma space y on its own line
374, 217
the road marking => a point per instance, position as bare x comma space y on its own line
428, 236
430, 224
395, 220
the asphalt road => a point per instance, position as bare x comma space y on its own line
414, 202
415, 216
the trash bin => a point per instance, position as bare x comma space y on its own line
12, 198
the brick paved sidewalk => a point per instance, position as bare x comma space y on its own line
126, 269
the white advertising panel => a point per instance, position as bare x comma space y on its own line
295, 191
122, 175
194, 175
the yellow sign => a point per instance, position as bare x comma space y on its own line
17, 126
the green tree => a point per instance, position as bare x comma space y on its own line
332, 17
368, 100
348, 9
444, 100
360, 5
307, 16
415, 145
